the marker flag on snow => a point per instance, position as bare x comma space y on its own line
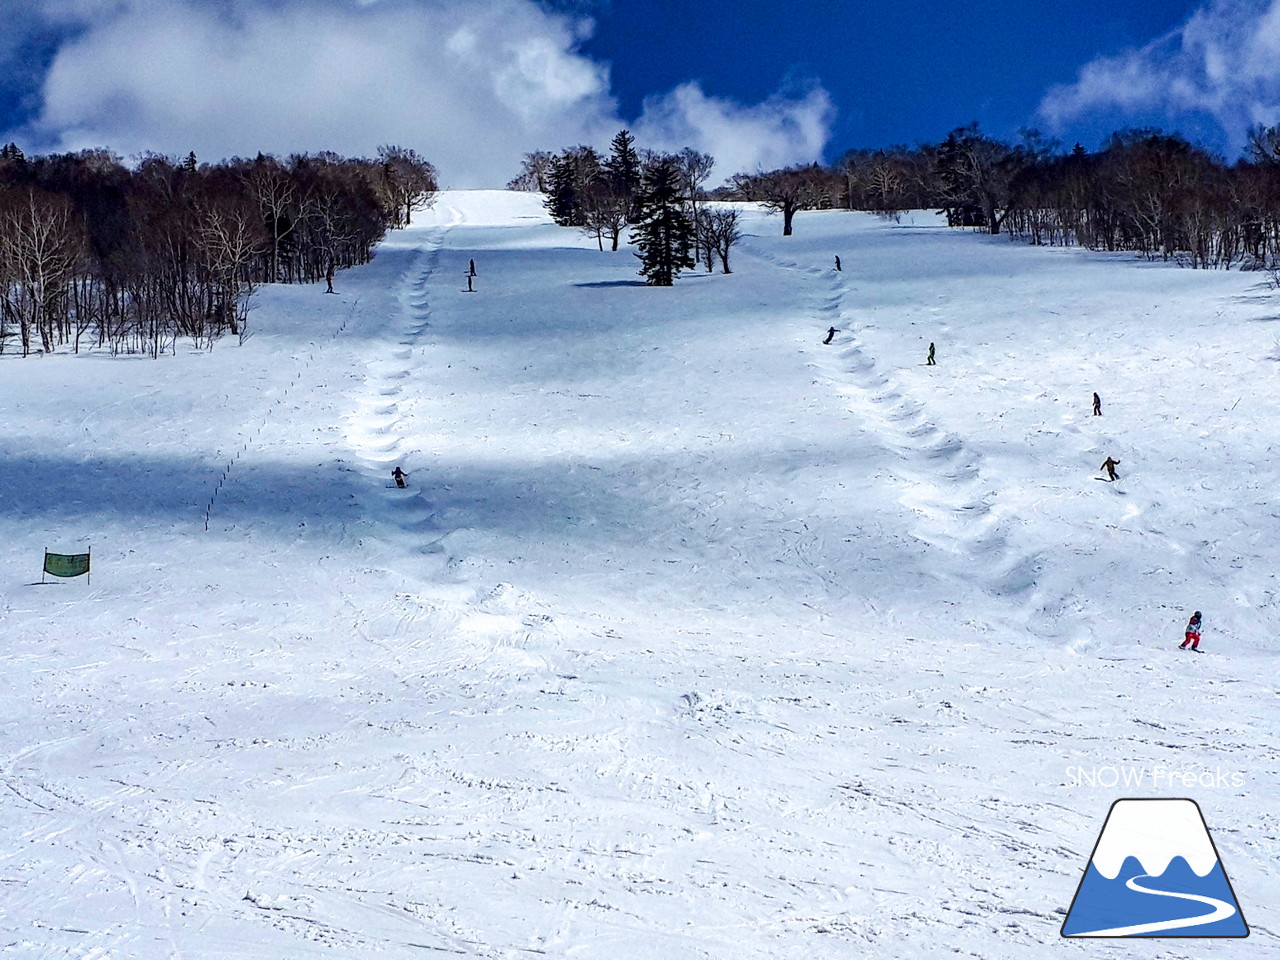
1155, 873
66, 564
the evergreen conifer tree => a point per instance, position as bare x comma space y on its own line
623, 170
561, 201
574, 174
663, 233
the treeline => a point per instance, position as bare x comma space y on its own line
1146, 191
657, 197
133, 259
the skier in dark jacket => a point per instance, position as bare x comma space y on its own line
399, 476
1193, 632
931, 362
1110, 465
830, 333
1097, 405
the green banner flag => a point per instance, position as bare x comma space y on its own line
66, 564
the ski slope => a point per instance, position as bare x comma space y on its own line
691, 636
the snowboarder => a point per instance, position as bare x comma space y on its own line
931, 362
837, 261
1110, 465
399, 476
1097, 405
1193, 633
830, 333
473, 269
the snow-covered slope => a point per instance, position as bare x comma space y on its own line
691, 636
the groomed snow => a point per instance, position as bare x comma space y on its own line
691, 637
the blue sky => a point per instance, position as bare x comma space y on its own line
473, 84
898, 71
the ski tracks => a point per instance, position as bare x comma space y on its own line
945, 484
378, 430
469, 626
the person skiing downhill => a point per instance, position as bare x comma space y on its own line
1110, 465
1097, 405
1193, 633
830, 333
931, 361
399, 476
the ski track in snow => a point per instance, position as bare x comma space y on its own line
957, 502
377, 432
302, 361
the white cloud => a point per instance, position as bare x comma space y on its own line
776, 133
470, 84
1224, 62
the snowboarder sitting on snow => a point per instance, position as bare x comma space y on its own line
399, 476
830, 333
1193, 632
1110, 465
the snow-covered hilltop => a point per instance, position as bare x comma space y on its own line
690, 636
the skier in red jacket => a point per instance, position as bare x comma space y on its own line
1193, 633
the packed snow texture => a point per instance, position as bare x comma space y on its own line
690, 636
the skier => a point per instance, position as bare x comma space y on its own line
837, 261
1193, 633
830, 333
1097, 405
399, 476
1110, 465
931, 362
473, 269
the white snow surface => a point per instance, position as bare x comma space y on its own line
1154, 831
691, 636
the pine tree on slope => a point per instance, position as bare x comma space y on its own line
623, 169
663, 233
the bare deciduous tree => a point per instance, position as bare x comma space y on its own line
40, 244
784, 191
138, 258
406, 181
604, 213
535, 173
229, 236
721, 230
693, 169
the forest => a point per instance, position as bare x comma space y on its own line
1143, 190
134, 259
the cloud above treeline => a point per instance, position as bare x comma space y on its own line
470, 84
1223, 63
